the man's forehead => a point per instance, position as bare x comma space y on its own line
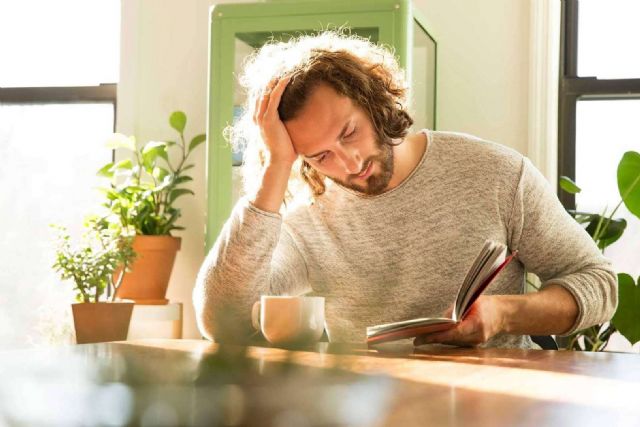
320, 121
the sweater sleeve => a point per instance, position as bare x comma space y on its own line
555, 247
253, 255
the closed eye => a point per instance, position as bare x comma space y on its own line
351, 133
323, 157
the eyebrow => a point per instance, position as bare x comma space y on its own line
342, 132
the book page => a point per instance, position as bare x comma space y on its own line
410, 332
494, 261
407, 324
475, 293
487, 264
484, 260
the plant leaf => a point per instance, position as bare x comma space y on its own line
629, 181
124, 164
159, 173
627, 317
568, 185
118, 140
151, 151
197, 140
177, 193
153, 146
581, 217
163, 153
178, 120
614, 230
106, 170
182, 179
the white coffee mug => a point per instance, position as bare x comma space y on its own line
289, 319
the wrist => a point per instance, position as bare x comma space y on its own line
273, 187
507, 313
280, 163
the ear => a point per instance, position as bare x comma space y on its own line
312, 177
308, 171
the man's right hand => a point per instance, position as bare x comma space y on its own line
273, 132
281, 156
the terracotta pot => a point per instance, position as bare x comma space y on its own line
101, 321
148, 279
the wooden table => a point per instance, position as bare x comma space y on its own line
193, 382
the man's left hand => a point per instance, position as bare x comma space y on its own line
483, 321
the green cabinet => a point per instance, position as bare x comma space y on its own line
237, 29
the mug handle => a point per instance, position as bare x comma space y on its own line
255, 315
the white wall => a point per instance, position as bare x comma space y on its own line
483, 51
482, 87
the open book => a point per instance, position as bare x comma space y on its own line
489, 262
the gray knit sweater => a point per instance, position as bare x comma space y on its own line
403, 254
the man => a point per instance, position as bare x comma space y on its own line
396, 218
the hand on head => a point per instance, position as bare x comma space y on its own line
273, 132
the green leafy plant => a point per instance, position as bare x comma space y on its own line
145, 186
92, 263
605, 230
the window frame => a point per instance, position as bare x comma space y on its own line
102, 93
573, 88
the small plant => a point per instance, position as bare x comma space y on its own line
91, 265
145, 186
605, 230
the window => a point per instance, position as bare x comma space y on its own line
58, 85
599, 108
599, 86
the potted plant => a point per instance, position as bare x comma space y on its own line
605, 230
142, 194
91, 266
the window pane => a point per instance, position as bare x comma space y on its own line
50, 155
77, 42
608, 39
605, 130
423, 77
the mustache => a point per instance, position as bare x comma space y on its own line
364, 168
370, 160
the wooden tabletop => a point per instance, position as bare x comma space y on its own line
195, 382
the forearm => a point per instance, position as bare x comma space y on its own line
251, 256
551, 311
237, 269
271, 193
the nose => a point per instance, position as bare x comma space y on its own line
351, 160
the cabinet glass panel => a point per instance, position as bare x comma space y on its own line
423, 79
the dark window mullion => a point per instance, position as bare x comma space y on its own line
567, 145
567, 102
569, 39
29, 95
593, 86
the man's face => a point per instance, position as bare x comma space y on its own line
337, 138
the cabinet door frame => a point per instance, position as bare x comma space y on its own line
393, 20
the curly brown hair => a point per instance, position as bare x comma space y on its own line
354, 67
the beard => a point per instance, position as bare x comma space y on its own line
375, 183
